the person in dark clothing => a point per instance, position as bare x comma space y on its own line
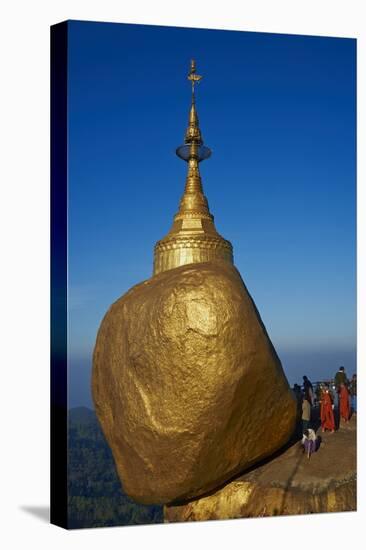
308, 390
318, 392
353, 392
340, 378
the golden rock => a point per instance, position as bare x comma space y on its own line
187, 386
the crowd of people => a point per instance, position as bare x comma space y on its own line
339, 395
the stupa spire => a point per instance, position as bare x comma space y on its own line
193, 237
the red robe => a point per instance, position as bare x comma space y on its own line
326, 412
344, 403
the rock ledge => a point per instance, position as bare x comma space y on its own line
287, 484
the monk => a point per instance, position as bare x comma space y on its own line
326, 410
344, 408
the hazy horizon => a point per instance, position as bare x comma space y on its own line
279, 112
317, 365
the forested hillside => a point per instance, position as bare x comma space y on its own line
96, 498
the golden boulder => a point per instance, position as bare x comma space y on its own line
187, 386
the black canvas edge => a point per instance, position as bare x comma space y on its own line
59, 382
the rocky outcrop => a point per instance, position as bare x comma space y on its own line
187, 386
285, 485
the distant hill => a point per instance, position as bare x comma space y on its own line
81, 415
96, 497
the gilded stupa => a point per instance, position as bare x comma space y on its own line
193, 237
187, 386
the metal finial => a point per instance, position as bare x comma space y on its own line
193, 143
193, 237
193, 77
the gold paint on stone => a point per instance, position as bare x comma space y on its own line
285, 485
187, 386
248, 500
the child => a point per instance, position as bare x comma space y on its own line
310, 442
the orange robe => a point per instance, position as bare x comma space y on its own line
344, 403
326, 412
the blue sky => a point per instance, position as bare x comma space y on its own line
279, 113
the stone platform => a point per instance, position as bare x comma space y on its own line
286, 484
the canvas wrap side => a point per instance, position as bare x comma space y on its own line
59, 274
